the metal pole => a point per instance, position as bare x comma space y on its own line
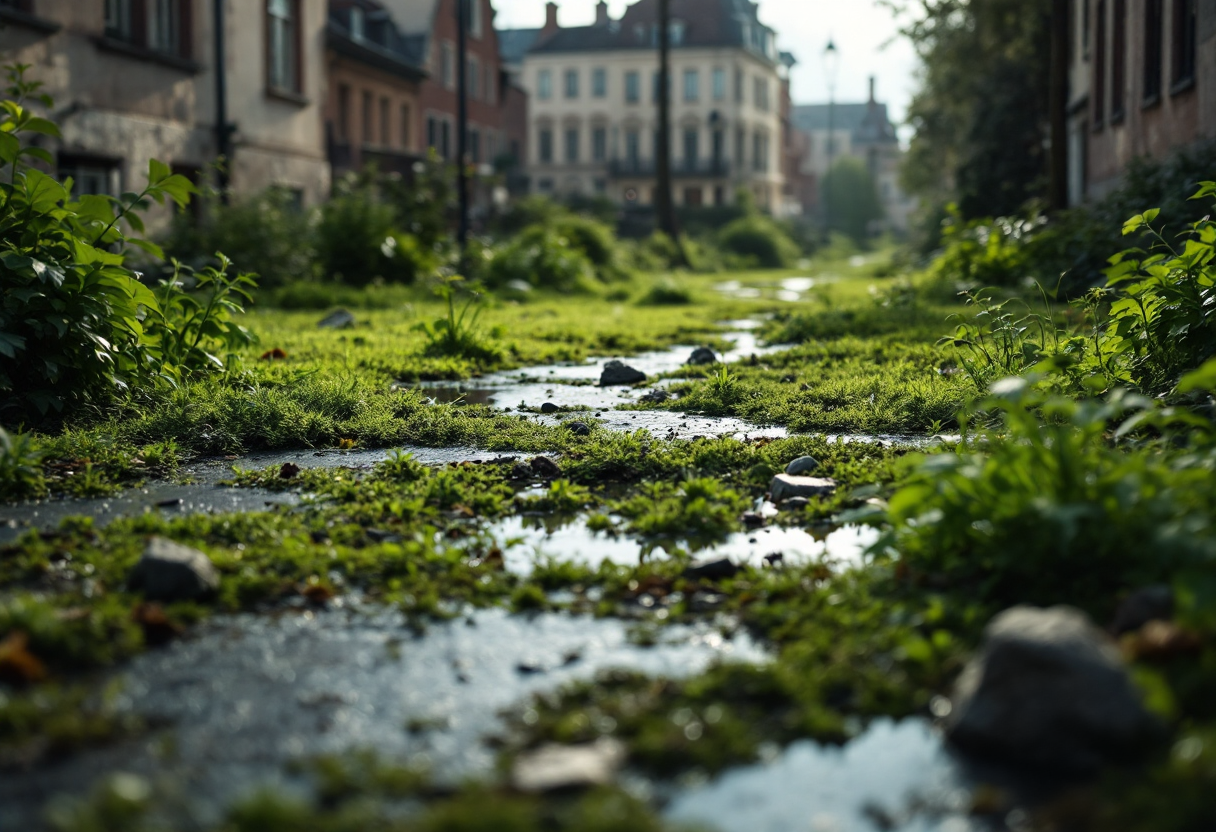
663, 198
223, 133
1058, 102
462, 124
827, 176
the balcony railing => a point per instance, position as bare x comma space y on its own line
701, 168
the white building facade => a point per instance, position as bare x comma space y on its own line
593, 120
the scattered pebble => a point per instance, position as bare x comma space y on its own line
703, 355
553, 768
549, 407
713, 570
542, 466
785, 486
338, 319
802, 465
579, 428
617, 373
169, 571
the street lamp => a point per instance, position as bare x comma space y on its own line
831, 66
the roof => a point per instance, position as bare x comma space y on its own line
382, 44
695, 23
513, 44
413, 16
867, 121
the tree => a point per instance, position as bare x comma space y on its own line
851, 198
981, 115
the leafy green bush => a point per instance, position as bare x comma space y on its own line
593, 239
989, 252
20, 467
269, 234
759, 241
666, 292
457, 334
543, 258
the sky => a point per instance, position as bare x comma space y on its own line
865, 33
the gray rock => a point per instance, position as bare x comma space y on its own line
714, 570
549, 407
381, 536
553, 768
579, 428
795, 504
338, 319
522, 471
542, 466
169, 571
1049, 689
617, 372
1152, 603
703, 355
802, 465
785, 486
655, 397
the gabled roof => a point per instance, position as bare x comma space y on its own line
382, 45
696, 23
513, 44
413, 16
868, 122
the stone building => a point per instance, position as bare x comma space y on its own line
135, 80
1142, 83
860, 130
371, 110
593, 114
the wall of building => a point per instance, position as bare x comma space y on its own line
358, 136
619, 117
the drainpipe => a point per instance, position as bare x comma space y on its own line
223, 131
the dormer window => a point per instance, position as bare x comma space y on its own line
677, 32
358, 23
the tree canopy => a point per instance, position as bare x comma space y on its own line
851, 198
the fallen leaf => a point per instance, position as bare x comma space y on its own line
275, 354
17, 664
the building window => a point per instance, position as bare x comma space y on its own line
719, 84
491, 85
1085, 29
633, 87
358, 29
571, 145
599, 144
761, 94
90, 176
164, 26
447, 65
283, 18
571, 83
475, 145
655, 90
544, 185
719, 141
544, 146
740, 148
692, 85
445, 139
386, 123
1118, 71
1154, 34
118, 19
474, 12
633, 147
694, 197
344, 112
474, 78
1184, 40
432, 133
407, 127
158, 25
367, 118
1100, 67
738, 86
544, 84
692, 147
599, 82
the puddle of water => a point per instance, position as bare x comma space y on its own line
798, 284
247, 694
895, 776
570, 541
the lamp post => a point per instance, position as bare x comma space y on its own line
831, 66
462, 127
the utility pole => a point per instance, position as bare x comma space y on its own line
1058, 102
663, 200
462, 125
223, 131
831, 65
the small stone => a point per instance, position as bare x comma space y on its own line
774, 558
338, 319
655, 397
542, 466
169, 571
522, 471
549, 407
795, 504
703, 355
553, 768
753, 519
173, 502
713, 570
1048, 689
289, 471
579, 428
381, 536
618, 372
785, 486
1152, 603
802, 465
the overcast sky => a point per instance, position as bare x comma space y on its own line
864, 33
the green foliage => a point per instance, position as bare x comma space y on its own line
542, 257
76, 323
595, 240
758, 241
998, 339
457, 334
666, 292
20, 467
425, 203
986, 252
269, 234
697, 509
851, 199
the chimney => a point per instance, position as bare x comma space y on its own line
601, 13
873, 85
550, 19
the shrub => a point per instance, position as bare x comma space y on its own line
424, 203
760, 241
20, 467
988, 252
592, 238
544, 259
269, 234
666, 292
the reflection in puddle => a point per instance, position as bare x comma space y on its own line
533, 539
247, 694
895, 776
